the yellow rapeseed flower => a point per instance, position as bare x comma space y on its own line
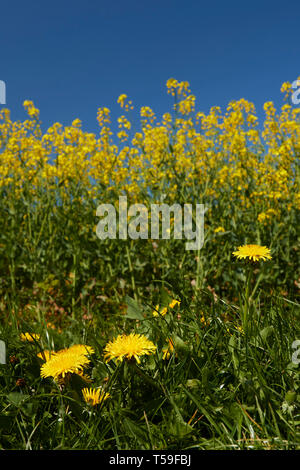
128, 346
121, 100
253, 252
94, 396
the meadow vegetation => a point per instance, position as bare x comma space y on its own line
142, 344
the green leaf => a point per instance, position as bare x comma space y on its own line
193, 383
177, 426
16, 398
28, 409
290, 396
165, 297
180, 345
266, 332
137, 431
232, 346
133, 309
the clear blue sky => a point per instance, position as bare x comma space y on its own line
71, 57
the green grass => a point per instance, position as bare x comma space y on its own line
224, 387
220, 390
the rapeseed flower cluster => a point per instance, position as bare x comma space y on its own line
222, 152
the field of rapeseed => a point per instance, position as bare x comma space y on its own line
141, 344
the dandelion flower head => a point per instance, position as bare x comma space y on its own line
31, 337
94, 396
128, 347
66, 361
253, 252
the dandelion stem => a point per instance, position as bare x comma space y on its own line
131, 274
246, 307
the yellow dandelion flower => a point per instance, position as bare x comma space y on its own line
66, 361
46, 355
240, 329
128, 346
168, 350
219, 229
204, 321
94, 396
253, 252
162, 312
31, 337
81, 349
174, 302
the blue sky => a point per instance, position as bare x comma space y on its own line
72, 57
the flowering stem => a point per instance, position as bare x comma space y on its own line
257, 283
246, 306
199, 271
131, 274
74, 285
